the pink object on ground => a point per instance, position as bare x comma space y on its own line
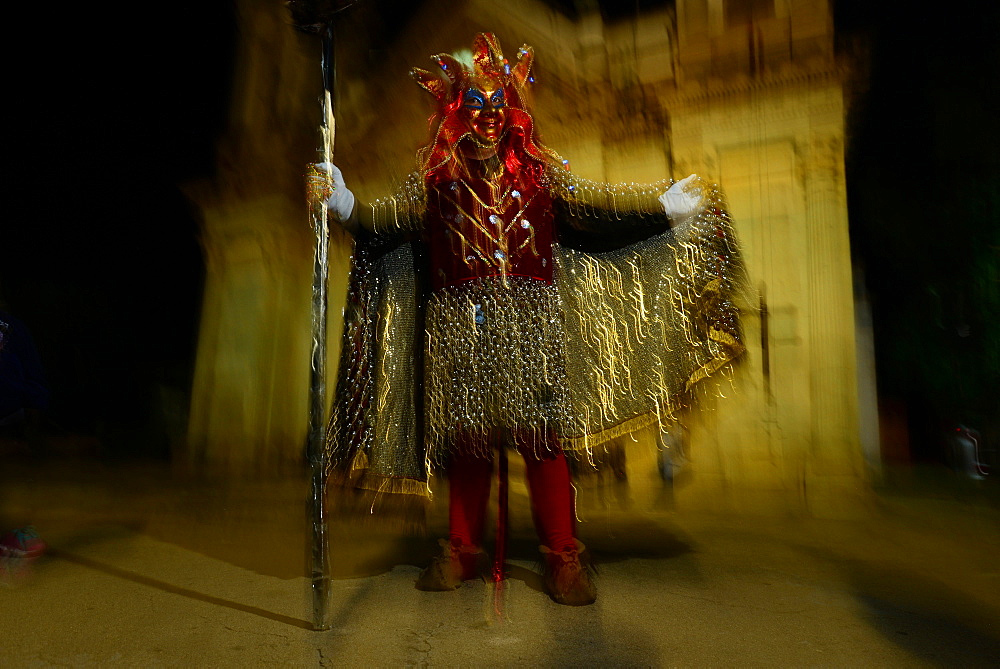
22, 543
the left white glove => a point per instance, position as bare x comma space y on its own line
682, 202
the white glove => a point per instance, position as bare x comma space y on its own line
341, 201
681, 202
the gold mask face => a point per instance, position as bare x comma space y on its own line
484, 106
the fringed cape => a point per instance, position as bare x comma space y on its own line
648, 313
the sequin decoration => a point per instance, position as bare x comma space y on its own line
499, 255
525, 224
495, 220
403, 210
515, 194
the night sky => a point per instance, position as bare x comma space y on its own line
114, 113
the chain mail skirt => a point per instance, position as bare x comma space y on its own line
494, 365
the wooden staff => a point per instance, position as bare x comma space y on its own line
317, 18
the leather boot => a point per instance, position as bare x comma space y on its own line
455, 565
567, 579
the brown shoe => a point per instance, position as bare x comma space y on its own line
455, 565
566, 578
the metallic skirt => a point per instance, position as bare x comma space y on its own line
494, 365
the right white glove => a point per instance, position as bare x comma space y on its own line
682, 201
340, 204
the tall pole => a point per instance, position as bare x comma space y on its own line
316, 448
317, 17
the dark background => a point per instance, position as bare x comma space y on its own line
99, 254
113, 113
923, 176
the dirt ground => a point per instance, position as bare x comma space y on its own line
148, 568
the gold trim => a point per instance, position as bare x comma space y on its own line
358, 462
725, 338
525, 204
392, 485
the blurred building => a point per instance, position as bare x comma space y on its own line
750, 93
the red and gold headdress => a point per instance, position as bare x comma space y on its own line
449, 80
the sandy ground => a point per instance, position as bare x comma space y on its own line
150, 569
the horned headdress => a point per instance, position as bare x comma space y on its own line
450, 78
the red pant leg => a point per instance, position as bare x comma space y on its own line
468, 493
551, 497
551, 491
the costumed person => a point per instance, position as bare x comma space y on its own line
498, 302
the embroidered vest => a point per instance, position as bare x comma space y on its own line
481, 226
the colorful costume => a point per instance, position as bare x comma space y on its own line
499, 300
